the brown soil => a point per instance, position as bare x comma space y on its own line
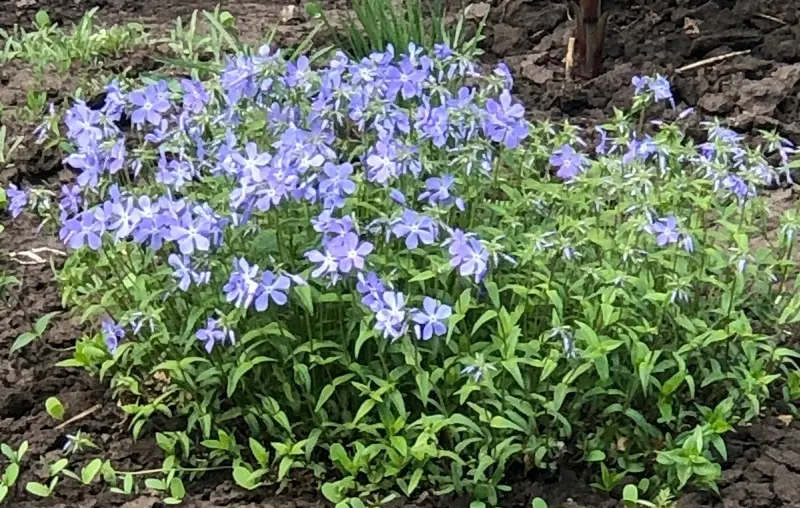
757, 90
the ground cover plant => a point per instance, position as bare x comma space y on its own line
381, 265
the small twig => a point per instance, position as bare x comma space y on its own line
568, 61
78, 416
709, 61
771, 18
33, 255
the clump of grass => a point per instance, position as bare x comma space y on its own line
373, 25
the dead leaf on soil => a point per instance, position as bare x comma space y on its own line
690, 26
786, 419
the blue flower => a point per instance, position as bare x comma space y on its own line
195, 96
371, 288
112, 334
213, 334
569, 163
415, 228
242, 286
431, 320
505, 121
18, 200
272, 288
152, 102
349, 252
391, 317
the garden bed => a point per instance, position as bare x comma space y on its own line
755, 90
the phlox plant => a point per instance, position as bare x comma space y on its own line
379, 271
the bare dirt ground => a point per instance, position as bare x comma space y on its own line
759, 89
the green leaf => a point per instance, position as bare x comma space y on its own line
423, 276
11, 474
54, 408
89, 472
37, 489
498, 422
424, 385
240, 371
324, 395
304, 293
241, 475
23, 340
3, 492
285, 466
414, 481
42, 19
630, 494
488, 315
538, 502
596, 456
259, 452
365, 408
43, 322
176, 488
494, 293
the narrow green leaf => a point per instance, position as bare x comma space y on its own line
37, 489
487, 316
498, 422
324, 395
54, 408
365, 408
23, 340
304, 293
89, 472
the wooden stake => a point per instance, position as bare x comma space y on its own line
568, 61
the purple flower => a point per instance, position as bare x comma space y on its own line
505, 121
273, 288
191, 234
213, 334
415, 228
152, 102
18, 200
391, 318
661, 89
85, 229
432, 123
371, 288
83, 124
666, 230
338, 182
124, 218
328, 263
195, 96
112, 333
470, 257
70, 199
254, 164
437, 192
738, 186
182, 270
382, 162
397, 196
90, 164
297, 75
568, 161
405, 79
430, 321
242, 286
639, 84
349, 252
